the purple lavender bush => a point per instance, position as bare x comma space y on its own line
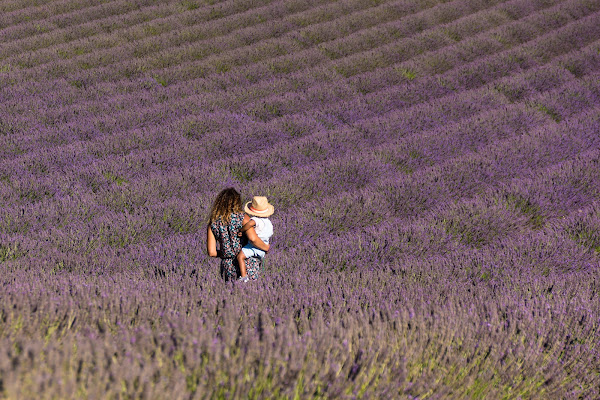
434, 167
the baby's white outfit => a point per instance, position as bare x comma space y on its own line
264, 230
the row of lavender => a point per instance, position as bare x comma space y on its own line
345, 191
36, 163
43, 165
462, 25
422, 45
434, 168
34, 193
171, 106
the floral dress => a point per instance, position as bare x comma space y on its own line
230, 246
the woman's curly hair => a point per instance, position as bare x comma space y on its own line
228, 202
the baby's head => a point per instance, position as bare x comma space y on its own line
259, 207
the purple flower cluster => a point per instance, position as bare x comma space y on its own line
434, 167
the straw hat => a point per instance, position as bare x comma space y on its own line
259, 207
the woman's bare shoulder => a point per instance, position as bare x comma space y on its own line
246, 219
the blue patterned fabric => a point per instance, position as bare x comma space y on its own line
230, 245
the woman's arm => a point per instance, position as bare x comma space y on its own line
246, 219
256, 241
211, 243
247, 223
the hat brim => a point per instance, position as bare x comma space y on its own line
267, 213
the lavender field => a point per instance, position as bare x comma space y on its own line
434, 167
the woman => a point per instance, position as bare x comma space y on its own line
226, 220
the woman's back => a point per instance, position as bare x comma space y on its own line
226, 234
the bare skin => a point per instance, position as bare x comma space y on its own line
211, 244
246, 226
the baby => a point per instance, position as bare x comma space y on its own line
259, 210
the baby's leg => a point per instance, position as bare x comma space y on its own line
241, 257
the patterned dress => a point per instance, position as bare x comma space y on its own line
230, 245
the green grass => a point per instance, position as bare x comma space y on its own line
548, 111
406, 72
161, 80
115, 178
535, 217
10, 252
